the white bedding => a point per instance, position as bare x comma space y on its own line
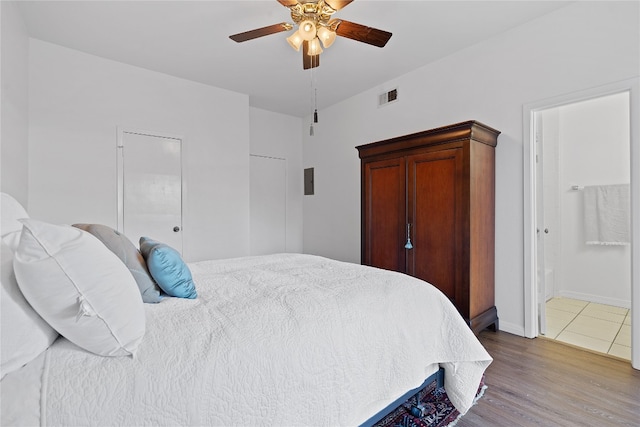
283, 339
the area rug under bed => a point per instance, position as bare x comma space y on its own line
438, 410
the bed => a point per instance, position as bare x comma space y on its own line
283, 339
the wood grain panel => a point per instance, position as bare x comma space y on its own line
482, 228
384, 213
435, 203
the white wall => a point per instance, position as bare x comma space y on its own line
594, 150
278, 135
583, 45
76, 103
14, 114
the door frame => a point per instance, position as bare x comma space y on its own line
530, 242
121, 131
541, 280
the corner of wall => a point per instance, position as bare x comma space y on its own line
14, 67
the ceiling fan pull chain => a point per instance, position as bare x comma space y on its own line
314, 118
315, 112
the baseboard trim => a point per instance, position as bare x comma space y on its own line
512, 328
598, 299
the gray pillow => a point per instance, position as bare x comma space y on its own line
130, 256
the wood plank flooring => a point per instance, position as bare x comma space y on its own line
540, 382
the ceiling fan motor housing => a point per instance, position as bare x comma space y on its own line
317, 12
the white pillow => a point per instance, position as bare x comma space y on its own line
10, 227
24, 333
80, 288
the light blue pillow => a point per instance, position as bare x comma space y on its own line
168, 269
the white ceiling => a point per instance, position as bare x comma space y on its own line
189, 39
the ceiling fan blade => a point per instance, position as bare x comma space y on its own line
260, 32
288, 3
309, 61
362, 33
337, 4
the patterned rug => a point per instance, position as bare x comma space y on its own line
437, 410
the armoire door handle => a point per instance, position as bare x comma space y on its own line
408, 245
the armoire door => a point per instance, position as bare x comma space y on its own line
384, 207
435, 212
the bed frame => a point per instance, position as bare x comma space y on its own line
438, 377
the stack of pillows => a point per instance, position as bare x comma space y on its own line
86, 282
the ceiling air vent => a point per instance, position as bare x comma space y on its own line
388, 97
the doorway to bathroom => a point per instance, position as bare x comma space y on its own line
583, 180
581, 289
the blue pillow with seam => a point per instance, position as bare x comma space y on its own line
168, 269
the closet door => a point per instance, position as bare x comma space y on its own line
150, 187
268, 205
436, 213
384, 207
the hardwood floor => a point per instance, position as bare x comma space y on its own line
539, 382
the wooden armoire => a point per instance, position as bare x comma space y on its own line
428, 209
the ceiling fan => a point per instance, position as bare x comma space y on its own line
315, 26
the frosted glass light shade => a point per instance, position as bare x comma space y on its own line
295, 40
326, 36
314, 47
307, 30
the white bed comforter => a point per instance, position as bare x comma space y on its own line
283, 340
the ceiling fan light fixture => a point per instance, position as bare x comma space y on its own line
307, 30
315, 29
314, 47
326, 36
295, 40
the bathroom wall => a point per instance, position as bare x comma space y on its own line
593, 149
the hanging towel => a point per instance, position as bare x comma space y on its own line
607, 214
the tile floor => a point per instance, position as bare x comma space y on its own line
598, 327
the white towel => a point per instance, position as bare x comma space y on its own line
607, 214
